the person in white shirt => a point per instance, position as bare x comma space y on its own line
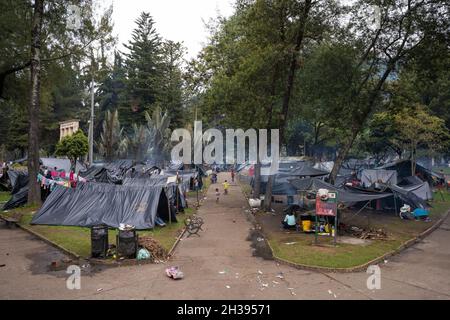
289, 221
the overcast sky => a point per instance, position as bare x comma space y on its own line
177, 20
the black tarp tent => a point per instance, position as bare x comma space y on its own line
19, 189
280, 186
93, 204
112, 172
163, 182
345, 195
417, 186
403, 168
287, 171
370, 176
302, 169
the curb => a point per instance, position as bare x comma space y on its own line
171, 251
75, 256
359, 268
364, 266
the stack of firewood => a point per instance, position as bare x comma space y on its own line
378, 234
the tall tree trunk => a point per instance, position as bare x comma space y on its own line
288, 94
257, 180
341, 156
292, 69
268, 195
34, 193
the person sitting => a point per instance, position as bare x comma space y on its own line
289, 221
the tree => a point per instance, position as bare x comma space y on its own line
34, 193
143, 70
111, 93
137, 143
170, 95
73, 147
418, 128
159, 133
112, 142
381, 49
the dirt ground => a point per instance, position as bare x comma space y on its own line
220, 265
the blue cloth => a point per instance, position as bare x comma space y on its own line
290, 220
420, 213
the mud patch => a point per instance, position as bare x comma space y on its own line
258, 243
53, 262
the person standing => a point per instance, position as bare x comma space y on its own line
232, 175
217, 195
225, 187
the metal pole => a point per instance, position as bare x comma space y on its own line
168, 204
335, 226
315, 229
91, 125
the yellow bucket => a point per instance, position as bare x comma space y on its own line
306, 225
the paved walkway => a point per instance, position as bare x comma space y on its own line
219, 265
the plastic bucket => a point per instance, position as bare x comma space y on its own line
306, 225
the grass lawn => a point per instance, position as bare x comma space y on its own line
77, 239
5, 196
206, 184
446, 170
299, 247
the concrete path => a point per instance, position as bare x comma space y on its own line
219, 265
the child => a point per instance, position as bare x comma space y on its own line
217, 195
225, 187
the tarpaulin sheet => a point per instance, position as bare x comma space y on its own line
19, 193
93, 204
418, 187
303, 170
18, 179
280, 185
369, 177
18, 199
409, 197
161, 181
344, 195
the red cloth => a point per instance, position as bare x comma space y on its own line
71, 176
251, 171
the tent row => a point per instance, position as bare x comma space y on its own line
363, 184
121, 192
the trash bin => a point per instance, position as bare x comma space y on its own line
127, 244
99, 241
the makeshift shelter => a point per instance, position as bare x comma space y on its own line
94, 204
345, 195
403, 168
280, 186
420, 188
372, 176
301, 169
112, 172
18, 181
176, 199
